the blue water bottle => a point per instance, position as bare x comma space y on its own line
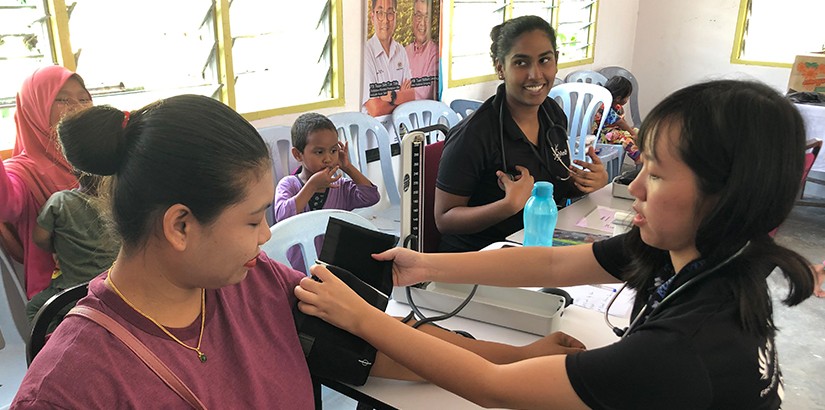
540, 215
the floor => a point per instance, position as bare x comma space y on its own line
801, 339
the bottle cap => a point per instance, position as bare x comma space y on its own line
543, 189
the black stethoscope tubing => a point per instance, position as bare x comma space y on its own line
622, 333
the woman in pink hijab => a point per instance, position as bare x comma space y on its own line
37, 167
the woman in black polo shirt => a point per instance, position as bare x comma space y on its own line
518, 136
702, 334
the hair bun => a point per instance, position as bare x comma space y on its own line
94, 139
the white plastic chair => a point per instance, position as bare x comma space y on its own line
356, 128
417, 114
586, 76
580, 102
465, 107
14, 327
279, 141
302, 229
613, 71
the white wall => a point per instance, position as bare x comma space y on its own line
679, 43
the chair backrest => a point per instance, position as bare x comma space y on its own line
356, 128
430, 236
613, 71
57, 306
279, 141
580, 102
464, 107
417, 114
557, 81
586, 76
302, 229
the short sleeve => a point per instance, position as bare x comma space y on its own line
612, 255
47, 219
463, 162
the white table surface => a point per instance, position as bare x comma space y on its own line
571, 215
814, 117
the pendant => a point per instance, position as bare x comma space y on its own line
202, 357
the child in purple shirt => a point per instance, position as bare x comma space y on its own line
317, 183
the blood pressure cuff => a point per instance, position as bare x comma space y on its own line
333, 353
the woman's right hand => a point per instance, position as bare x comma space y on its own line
517, 190
407, 266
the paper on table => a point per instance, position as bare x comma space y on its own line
600, 219
596, 297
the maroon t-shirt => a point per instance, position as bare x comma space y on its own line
254, 359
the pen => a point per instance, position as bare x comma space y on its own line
605, 287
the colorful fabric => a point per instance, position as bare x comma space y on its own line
612, 134
36, 170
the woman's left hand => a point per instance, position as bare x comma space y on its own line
592, 176
331, 299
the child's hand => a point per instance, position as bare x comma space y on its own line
323, 179
343, 156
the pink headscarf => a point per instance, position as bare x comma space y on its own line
37, 158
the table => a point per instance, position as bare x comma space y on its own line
586, 325
814, 117
571, 215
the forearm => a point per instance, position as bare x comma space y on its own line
303, 197
377, 107
473, 219
448, 366
42, 238
518, 266
494, 352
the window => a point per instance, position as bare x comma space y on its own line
772, 33
247, 53
472, 20
24, 46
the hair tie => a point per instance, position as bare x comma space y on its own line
126, 115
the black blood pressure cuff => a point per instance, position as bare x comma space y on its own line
333, 353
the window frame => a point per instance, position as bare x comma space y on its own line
61, 52
739, 40
508, 14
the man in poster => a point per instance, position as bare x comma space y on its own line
423, 52
387, 77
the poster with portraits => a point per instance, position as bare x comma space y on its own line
401, 54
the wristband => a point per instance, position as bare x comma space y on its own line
393, 96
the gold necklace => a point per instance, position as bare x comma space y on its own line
196, 349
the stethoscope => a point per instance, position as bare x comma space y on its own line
622, 333
557, 155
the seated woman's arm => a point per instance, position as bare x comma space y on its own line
13, 192
454, 216
499, 353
